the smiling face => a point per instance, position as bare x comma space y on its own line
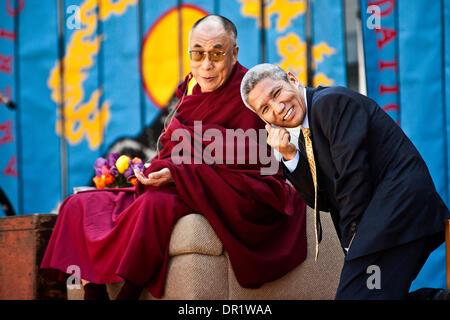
211, 37
279, 102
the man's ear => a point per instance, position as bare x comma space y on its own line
292, 79
235, 52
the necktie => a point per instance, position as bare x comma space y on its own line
312, 166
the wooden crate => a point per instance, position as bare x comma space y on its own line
23, 240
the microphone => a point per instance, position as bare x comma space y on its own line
11, 105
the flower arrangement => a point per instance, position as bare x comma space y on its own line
116, 171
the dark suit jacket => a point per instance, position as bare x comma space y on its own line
371, 178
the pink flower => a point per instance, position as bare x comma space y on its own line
105, 170
99, 163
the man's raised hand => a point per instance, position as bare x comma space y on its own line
280, 139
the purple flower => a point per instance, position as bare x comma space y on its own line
99, 163
112, 158
113, 170
138, 165
128, 173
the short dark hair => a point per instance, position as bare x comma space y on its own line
228, 26
257, 74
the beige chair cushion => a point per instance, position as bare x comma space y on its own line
193, 234
190, 277
195, 277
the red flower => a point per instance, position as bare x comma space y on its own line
108, 178
133, 181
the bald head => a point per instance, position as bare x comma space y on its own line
216, 21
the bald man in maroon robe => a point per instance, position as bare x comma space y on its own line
123, 234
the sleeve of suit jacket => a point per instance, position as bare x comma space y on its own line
344, 123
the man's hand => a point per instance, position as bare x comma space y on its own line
156, 179
279, 139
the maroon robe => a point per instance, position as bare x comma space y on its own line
116, 234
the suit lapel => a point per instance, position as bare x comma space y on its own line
309, 97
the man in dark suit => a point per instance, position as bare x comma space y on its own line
367, 174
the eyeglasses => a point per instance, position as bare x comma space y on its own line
199, 55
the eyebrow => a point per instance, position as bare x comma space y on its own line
217, 46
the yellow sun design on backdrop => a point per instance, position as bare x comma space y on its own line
160, 64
